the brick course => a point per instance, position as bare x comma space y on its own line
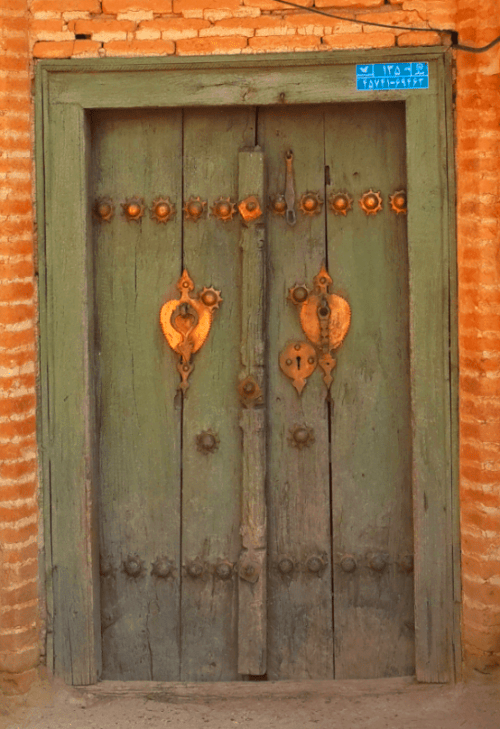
31, 29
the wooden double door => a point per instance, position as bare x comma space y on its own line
313, 489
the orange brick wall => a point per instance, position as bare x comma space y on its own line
478, 162
19, 647
32, 29
188, 27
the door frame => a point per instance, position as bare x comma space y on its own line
65, 91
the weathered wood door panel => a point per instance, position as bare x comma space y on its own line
370, 424
346, 494
210, 482
300, 604
139, 430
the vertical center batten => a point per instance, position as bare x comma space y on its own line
211, 480
252, 621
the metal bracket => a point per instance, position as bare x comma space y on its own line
290, 214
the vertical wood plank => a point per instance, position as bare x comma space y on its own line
445, 96
371, 427
68, 278
429, 322
211, 496
137, 266
43, 401
300, 643
252, 598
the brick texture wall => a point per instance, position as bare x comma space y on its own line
478, 162
90, 28
19, 647
33, 29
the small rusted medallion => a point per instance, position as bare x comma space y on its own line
340, 203
301, 436
162, 210
398, 202
224, 569
194, 208
223, 209
250, 392
162, 567
207, 441
186, 323
104, 209
133, 566
133, 208
311, 203
371, 202
277, 204
249, 568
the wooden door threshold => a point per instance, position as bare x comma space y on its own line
180, 692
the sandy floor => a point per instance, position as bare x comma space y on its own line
375, 704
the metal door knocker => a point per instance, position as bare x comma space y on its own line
325, 319
186, 323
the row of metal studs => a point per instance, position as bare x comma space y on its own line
311, 203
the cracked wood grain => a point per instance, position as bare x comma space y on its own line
252, 602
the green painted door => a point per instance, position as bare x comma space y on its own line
241, 537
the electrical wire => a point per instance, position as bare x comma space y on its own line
454, 34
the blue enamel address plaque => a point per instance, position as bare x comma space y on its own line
384, 76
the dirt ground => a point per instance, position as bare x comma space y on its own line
368, 704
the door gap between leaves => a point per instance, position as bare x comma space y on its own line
329, 402
181, 431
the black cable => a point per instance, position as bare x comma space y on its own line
470, 49
458, 46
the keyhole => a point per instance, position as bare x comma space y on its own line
298, 362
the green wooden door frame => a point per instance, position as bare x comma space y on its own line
66, 91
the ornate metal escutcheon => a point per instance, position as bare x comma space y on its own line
325, 319
298, 361
186, 323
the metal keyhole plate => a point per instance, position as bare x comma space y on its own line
298, 361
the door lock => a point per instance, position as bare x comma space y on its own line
186, 323
325, 319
